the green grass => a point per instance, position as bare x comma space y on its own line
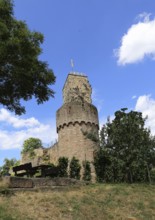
99, 202
4, 215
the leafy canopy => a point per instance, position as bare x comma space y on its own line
127, 152
31, 144
8, 164
22, 74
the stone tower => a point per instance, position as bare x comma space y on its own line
76, 118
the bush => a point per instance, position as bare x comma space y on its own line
87, 171
75, 168
63, 165
127, 150
52, 171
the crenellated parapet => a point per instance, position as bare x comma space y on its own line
77, 123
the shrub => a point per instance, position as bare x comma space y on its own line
75, 168
87, 171
63, 165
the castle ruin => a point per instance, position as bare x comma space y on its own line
77, 118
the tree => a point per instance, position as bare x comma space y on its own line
22, 74
127, 151
8, 164
63, 165
87, 171
75, 168
30, 145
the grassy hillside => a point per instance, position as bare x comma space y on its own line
99, 202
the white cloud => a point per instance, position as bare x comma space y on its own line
146, 105
11, 137
138, 42
15, 121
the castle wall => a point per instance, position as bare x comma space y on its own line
35, 160
73, 142
77, 86
76, 112
54, 154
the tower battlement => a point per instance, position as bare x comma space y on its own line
77, 87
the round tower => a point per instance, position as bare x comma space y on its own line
76, 119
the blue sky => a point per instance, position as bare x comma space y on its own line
112, 42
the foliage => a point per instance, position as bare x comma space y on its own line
8, 164
55, 170
91, 135
63, 165
22, 74
45, 157
87, 171
127, 152
30, 145
75, 168
101, 163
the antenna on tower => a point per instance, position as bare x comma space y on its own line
72, 65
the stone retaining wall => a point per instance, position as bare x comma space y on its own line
19, 182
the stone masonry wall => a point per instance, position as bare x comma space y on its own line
73, 142
76, 112
76, 87
36, 160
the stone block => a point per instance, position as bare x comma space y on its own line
18, 182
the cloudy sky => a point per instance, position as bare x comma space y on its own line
112, 42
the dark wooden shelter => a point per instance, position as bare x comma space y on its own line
29, 171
